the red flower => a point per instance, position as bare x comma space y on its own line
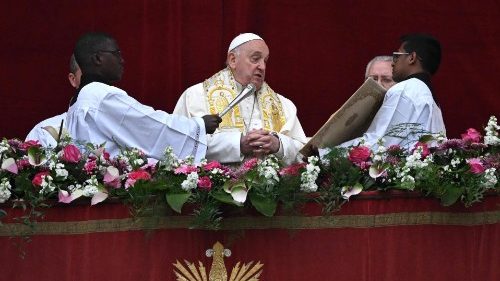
37, 179
425, 149
185, 169
475, 166
71, 154
292, 170
212, 165
359, 154
205, 183
249, 164
471, 135
135, 176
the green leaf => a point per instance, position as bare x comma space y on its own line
264, 205
426, 138
451, 196
224, 197
177, 200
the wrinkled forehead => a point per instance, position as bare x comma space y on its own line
255, 46
380, 68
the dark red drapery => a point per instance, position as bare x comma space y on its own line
319, 50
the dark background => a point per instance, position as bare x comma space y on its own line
319, 50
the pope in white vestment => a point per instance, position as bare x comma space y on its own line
224, 144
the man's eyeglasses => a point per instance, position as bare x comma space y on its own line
116, 53
395, 55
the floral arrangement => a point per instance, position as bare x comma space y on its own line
449, 169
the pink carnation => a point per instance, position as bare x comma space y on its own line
249, 164
476, 166
425, 149
71, 154
37, 179
185, 169
359, 154
135, 176
472, 135
212, 165
292, 170
90, 166
205, 183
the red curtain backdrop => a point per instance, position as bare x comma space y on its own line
319, 50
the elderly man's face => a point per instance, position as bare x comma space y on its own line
381, 71
249, 66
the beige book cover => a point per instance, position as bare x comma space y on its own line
351, 120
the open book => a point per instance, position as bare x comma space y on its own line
351, 120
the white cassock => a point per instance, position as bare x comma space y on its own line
41, 135
103, 113
409, 101
224, 144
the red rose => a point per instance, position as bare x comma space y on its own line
359, 154
135, 176
71, 154
205, 183
471, 135
292, 170
37, 179
26, 145
425, 149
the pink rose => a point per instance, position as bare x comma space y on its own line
71, 154
425, 149
135, 176
292, 170
471, 135
359, 154
475, 166
37, 179
212, 165
205, 183
185, 169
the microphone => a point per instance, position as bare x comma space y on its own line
247, 91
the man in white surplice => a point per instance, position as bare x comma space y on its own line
104, 113
263, 123
411, 100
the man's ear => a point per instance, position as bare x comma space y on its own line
413, 57
72, 79
231, 60
96, 59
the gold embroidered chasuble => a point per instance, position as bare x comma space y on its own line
220, 90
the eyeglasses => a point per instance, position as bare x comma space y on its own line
395, 55
116, 53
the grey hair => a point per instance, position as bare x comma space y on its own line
377, 58
236, 51
73, 65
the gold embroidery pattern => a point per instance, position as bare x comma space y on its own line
220, 90
236, 223
218, 270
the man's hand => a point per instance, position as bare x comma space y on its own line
211, 122
259, 142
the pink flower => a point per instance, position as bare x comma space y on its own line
249, 164
112, 177
205, 183
135, 176
23, 163
425, 149
26, 145
71, 154
212, 165
90, 166
472, 135
359, 154
64, 196
292, 170
185, 169
37, 179
475, 166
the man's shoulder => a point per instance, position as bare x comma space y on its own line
194, 89
100, 88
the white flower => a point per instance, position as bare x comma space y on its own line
310, 175
191, 182
138, 162
170, 162
90, 187
47, 185
491, 129
269, 170
490, 179
4, 146
5, 190
455, 161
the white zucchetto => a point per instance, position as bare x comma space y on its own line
243, 38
